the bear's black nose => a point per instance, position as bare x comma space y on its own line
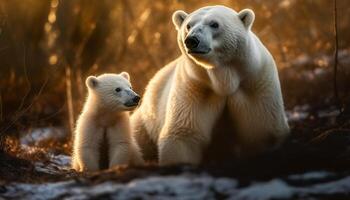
191, 42
136, 99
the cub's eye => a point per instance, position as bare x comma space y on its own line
118, 89
188, 27
214, 25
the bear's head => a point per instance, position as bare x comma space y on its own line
213, 36
113, 91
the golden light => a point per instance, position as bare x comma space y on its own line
321, 62
53, 59
143, 18
131, 38
157, 36
47, 27
52, 17
54, 3
285, 4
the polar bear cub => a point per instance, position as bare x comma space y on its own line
102, 135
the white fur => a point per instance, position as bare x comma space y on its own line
104, 113
184, 100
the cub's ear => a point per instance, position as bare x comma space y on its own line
91, 82
247, 16
179, 17
125, 75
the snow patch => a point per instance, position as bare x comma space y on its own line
187, 186
311, 176
298, 113
40, 134
274, 189
58, 164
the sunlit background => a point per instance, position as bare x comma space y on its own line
48, 48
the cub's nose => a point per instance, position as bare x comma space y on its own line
191, 42
136, 99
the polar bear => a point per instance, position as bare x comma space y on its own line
224, 68
103, 129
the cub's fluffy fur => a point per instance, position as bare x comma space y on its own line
104, 124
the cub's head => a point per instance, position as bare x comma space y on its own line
113, 91
214, 35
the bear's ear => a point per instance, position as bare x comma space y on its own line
125, 75
179, 17
91, 82
247, 16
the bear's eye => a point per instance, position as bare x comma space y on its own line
118, 89
214, 25
188, 27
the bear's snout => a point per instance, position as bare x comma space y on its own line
191, 42
133, 102
136, 99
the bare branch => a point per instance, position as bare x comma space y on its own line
69, 98
27, 81
26, 109
335, 85
1, 117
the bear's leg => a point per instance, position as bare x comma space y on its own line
119, 155
89, 159
179, 150
137, 159
261, 124
136, 155
75, 164
188, 125
147, 146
